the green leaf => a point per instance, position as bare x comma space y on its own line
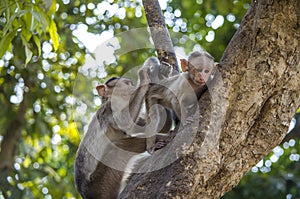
53, 7
28, 21
38, 44
29, 54
42, 18
26, 34
54, 35
5, 42
11, 20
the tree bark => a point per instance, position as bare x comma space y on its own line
159, 33
246, 112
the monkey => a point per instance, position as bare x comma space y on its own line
179, 93
104, 137
106, 141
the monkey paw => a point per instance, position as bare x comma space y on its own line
189, 120
159, 145
165, 69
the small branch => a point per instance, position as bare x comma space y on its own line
159, 33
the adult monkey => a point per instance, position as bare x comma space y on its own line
108, 142
104, 138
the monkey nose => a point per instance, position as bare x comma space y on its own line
199, 80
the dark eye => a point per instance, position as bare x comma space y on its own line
130, 83
206, 71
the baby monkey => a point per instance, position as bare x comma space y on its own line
179, 93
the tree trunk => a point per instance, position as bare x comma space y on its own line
159, 33
246, 112
11, 135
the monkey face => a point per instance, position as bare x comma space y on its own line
124, 87
200, 69
200, 75
121, 87
205, 72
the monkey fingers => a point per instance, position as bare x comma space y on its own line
165, 69
189, 120
159, 145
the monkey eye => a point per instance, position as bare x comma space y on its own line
202, 70
130, 83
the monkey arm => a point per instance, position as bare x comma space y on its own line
157, 71
126, 111
139, 96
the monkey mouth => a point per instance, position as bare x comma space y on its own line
200, 82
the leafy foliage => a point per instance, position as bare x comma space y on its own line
43, 55
276, 176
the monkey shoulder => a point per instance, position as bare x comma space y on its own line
174, 82
104, 113
105, 109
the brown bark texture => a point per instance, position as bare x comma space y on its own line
159, 33
245, 113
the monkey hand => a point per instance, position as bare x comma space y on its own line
144, 76
189, 120
165, 69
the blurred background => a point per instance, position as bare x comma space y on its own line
54, 53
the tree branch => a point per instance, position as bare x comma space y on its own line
252, 101
159, 33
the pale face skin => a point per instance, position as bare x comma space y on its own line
201, 69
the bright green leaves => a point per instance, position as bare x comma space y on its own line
30, 22
54, 35
25, 37
28, 54
38, 44
5, 42
52, 8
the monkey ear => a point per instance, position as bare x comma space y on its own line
101, 89
216, 65
184, 65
